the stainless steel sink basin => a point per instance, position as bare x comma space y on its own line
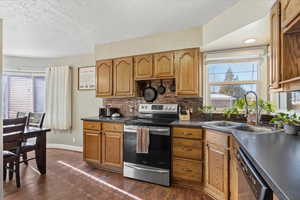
225, 124
253, 129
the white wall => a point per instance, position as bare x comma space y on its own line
84, 103
241, 14
155, 43
1, 130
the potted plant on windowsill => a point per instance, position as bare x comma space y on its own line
290, 122
207, 111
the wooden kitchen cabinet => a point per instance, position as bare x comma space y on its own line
216, 165
104, 78
290, 10
164, 65
112, 149
92, 146
275, 47
187, 157
123, 77
143, 67
187, 72
103, 144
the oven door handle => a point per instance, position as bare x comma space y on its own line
147, 169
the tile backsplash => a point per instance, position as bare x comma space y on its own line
129, 106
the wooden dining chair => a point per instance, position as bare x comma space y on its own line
35, 120
21, 114
13, 130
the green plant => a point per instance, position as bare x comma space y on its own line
230, 111
206, 109
285, 118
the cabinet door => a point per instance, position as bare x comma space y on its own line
275, 45
290, 9
143, 67
92, 150
123, 77
104, 77
187, 72
112, 149
164, 65
217, 172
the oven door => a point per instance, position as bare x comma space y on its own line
159, 155
251, 186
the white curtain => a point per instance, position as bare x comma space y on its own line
58, 98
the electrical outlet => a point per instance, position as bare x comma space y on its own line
74, 140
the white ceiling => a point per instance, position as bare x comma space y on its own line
50, 28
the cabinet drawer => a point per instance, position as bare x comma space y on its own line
217, 138
96, 126
112, 127
190, 133
186, 148
190, 170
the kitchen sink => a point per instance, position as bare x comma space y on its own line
253, 129
225, 124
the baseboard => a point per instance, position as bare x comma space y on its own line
65, 147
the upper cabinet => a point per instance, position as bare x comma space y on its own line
187, 72
143, 67
104, 77
290, 10
123, 77
154, 66
118, 77
164, 65
285, 46
275, 46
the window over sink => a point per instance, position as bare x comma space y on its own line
229, 75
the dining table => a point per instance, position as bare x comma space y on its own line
41, 141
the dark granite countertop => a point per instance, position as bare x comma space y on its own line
193, 124
277, 158
106, 119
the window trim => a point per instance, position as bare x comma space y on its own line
261, 75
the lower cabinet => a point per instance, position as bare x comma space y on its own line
187, 157
103, 144
216, 172
112, 149
217, 165
92, 146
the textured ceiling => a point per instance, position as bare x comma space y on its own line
49, 28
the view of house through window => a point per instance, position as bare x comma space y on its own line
22, 93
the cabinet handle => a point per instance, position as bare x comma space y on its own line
187, 170
187, 133
187, 149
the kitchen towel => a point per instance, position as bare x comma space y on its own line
142, 140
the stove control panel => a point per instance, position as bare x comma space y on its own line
158, 108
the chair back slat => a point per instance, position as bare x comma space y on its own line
13, 132
18, 128
36, 119
15, 121
12, 141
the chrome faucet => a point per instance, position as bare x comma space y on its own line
256, 106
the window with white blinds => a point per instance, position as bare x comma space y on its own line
22, 93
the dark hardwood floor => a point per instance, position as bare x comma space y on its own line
68, 177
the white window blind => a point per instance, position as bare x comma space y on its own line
22, 93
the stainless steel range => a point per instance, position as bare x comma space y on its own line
155, 165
